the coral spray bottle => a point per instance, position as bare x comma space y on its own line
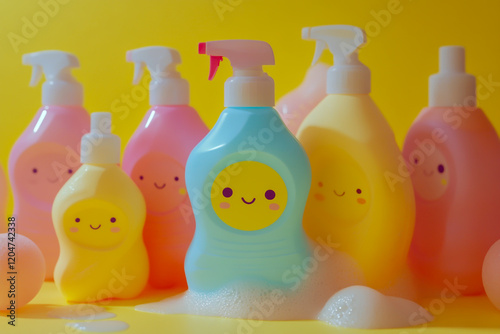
454, 155
47, 153
155, 158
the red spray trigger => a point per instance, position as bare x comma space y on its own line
214, 65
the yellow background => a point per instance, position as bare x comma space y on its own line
402, 51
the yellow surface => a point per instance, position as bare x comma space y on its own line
465, 315
402, 53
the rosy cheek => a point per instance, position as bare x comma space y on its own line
274, 206
115, 229
182, 191
361, 200
73, 229
319, 197
224, 205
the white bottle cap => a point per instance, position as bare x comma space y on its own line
166, 87
100, 146
60, 88
249, 86
452, 86
348, 75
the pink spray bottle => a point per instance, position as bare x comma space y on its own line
453, 154
155, 158
297, 104
46, 154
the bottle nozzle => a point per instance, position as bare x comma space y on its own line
166, 87
60, 87
100, 146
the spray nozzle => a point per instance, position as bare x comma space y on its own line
249, 86
60, 87
166, 87
348, 75
100, 146
243, 54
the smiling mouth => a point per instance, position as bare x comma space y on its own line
95, 228
247, 202
53, 180
428, 174
339, 195
160, 187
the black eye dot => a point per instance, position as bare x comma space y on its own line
141, 177
358, 191
416, 161
70, 171
113, 219
176, 178
227, 192
35, 170
441, 168
270, 194
77, 220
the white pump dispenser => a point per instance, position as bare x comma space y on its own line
100, 146
348, 75
452, 86
166, 87
60, 88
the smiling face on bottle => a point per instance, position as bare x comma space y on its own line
249, 195
340, 188
161, 180
42, 170
95, 224
431, 175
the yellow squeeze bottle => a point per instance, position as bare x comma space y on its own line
357, 200
99, 216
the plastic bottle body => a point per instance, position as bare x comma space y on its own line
248, 181
41, 161
155, 159
297, 104
355, 201
99, 216
454, 154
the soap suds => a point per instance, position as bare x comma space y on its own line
80, 312
99, 326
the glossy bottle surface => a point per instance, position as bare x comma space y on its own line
354, 199
98, 217
41, 161
454, 154
155, 159
248, 181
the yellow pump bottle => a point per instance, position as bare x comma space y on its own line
99, 216
357, 199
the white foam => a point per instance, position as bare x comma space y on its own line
99, 326
325, 274
80, 312
363, 307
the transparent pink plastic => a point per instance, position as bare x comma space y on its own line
454, 160
155, 158
41, 161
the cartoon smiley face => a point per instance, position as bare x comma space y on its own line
161, 180
95, 224
249, 195
42, 170
340, 188
431, 175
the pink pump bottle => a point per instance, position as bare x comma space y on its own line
453, 154
155, 158
297, 104
46, 154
